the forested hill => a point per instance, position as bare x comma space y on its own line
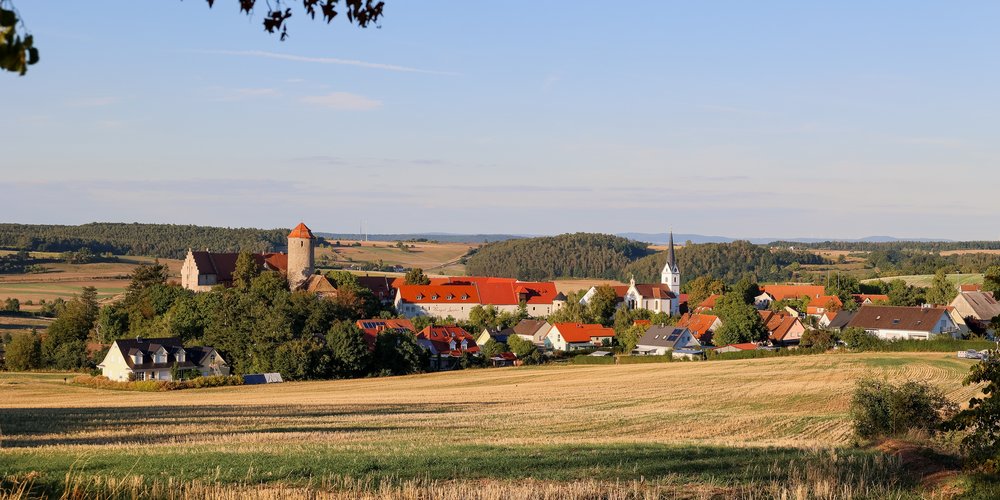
584, 255
725, 261
154, 240
888, 246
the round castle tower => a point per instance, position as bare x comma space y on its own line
300, 255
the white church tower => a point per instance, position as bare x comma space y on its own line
671, 276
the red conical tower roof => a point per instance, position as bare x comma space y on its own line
301, 231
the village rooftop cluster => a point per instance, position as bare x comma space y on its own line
454, 298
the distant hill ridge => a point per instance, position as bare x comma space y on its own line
154, 240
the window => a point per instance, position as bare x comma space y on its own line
420, 296
434, 297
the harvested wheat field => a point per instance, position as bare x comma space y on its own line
716, 424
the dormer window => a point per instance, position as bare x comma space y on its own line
137, 358
434, 297
452, 345
179, 355
420, 296
450, 296
465, 296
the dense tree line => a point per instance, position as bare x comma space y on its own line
155, 240
18, 263
258, 325
897, 262
724, 261
872, 246
582, 255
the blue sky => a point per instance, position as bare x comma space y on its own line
746, 119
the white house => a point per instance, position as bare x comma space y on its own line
574, 336
894, 323
457, 296
153, 359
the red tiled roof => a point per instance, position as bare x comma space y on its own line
709, 302
782, 292
441, 337
972, 287
301, 231
445, 294
874, 297
578, 332
372, 327
483, 290
778, 324
277, 261
642, 322
699, 324
823, 302
744, 347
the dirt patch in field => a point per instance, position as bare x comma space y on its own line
932, 469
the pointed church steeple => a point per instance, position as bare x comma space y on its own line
671, 260
671, 275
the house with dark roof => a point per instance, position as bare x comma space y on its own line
893, 323
498, 335
977, 307
533, 330
659, 340
380, 286
154, 359
839, 320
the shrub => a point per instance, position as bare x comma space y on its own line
858, 339
882, 409
818, 339
102, 382
638, 360
593, 360
981, 420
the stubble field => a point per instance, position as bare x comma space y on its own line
731, 427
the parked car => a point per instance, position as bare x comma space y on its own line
970, 354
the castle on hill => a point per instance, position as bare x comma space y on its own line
203, 270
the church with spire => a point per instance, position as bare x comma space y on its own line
656, 297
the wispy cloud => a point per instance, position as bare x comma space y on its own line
244, 94
343, 101
325, 60
92, 102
